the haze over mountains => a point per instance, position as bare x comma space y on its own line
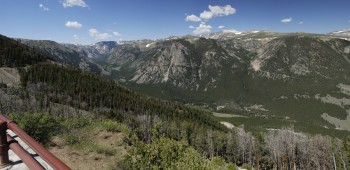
293, 78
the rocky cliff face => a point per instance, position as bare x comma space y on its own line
190, 61
293, 56
212, 63
94, 51
168, 61
194, 63
280, 77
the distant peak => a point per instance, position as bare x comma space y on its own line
232, 31
343, 32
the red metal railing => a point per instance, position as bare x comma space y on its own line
23, 154
7, 142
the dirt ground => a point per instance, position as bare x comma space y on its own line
85, 160
9, 76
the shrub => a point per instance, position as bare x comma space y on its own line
39, 126
247, 166
164, 153
3, 85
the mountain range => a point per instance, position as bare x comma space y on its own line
298, 79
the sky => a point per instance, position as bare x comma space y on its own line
91, 21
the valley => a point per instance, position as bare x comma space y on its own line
183, 85
228, 90
263, 75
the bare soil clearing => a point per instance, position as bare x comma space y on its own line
83, 159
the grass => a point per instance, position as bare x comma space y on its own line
225, 115
90, 143
108, 125
303, 113
89, 146
260, 124
89, 135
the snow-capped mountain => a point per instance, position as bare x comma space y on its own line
343, 33
95, 51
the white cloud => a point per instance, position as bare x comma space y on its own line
193, 18
206, 15
217, 11
222, 10
221, 27
99, 36
202, 29
72, 3
43, 7
116, 34
301, 22
191, 27
287, 20
73, 24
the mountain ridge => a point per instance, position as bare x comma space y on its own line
237, 71
83, 110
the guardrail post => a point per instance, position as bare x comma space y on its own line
4, 155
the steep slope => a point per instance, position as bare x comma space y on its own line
9, 76
57, 99
290, 56
91, 115
182, 66
65, 55
285, 77
299, 78
14, 54
94, 51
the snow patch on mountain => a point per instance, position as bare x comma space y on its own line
343, 33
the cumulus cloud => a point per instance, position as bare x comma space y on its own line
99, 36
214, 11
206, 15
221, 27
192, 27
193, 18
117, 34
217, 11
301, 22
72, 3
73, 24
287, 20
202, 29
43, 7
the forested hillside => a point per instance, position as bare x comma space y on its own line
82, 90
15, 54
62, 101
154, 124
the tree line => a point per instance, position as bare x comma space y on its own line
152, 119
157, 125
15, 54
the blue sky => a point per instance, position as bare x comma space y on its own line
90, 21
